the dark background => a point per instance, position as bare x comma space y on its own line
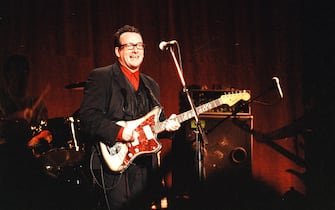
224, 44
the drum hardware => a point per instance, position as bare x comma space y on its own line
71, 175
63, 158
71, 119
66, 149
39, 127
76, 86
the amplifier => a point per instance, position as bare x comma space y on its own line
200, 97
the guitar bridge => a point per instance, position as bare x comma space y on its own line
115, 149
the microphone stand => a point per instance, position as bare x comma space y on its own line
200, 136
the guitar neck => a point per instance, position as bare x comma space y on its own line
182, 117
200, 109
229, 99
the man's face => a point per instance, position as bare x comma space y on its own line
131, 52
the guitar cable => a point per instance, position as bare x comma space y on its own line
102, 184
104, 187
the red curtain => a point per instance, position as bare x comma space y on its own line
227, 44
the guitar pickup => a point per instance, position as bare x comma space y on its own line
148, 132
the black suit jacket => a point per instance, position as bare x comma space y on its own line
103, 102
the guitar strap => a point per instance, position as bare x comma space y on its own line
146, 84
155, 157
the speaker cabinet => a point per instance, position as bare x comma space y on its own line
228, 151
224, 177
226, 157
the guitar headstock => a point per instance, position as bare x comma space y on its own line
232, 98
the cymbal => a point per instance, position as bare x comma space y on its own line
76, 86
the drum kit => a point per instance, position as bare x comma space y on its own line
62, 155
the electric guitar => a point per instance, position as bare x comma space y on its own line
119, 156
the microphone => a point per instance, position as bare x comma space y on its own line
165, 45
276, 79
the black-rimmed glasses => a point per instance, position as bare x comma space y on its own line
131, 46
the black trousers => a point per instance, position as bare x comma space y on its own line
135, 188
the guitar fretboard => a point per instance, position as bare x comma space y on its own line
229, 99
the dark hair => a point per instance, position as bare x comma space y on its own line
17, 63
123, 29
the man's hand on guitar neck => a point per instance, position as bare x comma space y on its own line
172, 124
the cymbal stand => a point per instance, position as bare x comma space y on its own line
71, 119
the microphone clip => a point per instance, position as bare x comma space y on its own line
165, 45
